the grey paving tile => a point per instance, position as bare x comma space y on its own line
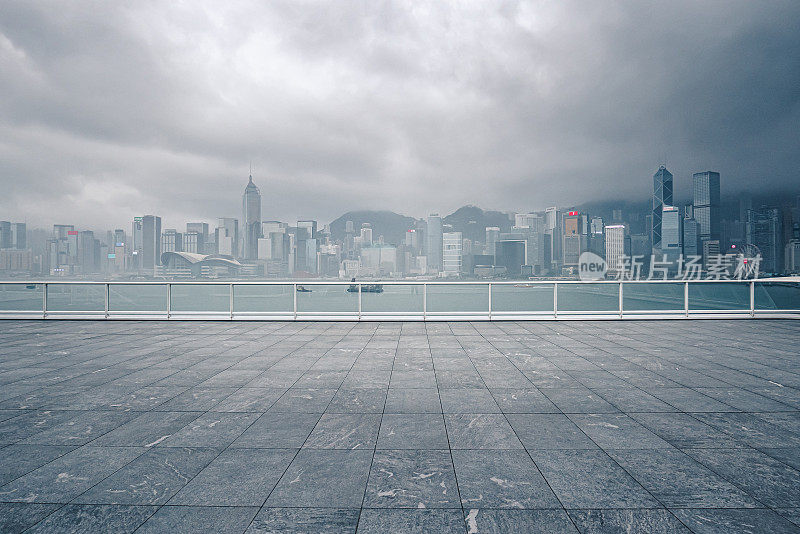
413, 400
250, 400
323, 520
237, 477
152, 478
31, 423
607, 521
404, 521
770, 481
744, 400
198, 399
90, 519
468, 400
752, 430
578, 400
792, 514
345, 431
147, 430
323, 478
278, 430
685, 431
549, 431
678, 481
790, 455
689, 400
145, 398
412, 479
68, 476
17, 517
212, 429
480, 431
756, 521
617, 431
632, 400
523, 401
189, 519
20, 459
590, 479
518, 521
501, 479
412, 431
304, 400
358, 400
81, 429
412, 379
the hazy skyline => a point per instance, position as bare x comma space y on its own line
111, 110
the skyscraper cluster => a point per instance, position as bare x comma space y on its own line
547, 243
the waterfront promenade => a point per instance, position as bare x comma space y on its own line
463, 427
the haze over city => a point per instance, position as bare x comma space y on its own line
114, 110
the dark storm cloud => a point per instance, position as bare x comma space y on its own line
112, 109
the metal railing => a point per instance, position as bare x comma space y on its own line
400, 300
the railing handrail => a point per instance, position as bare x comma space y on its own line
684, 306
390, 282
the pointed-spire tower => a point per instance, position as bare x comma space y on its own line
251, 220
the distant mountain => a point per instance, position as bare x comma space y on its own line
392, 226
472, 221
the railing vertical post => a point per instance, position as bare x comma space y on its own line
424, 301
686, 299
231, 301
620, 300
490, 301
359, 302
106, 299
44, 301
555, 300
752, 299
294, 294
169, 299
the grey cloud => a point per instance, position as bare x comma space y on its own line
113, 109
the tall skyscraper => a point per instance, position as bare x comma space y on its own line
136, 247
251, 219
433, 249
575, 237
764, 231
452, 257
662, 196
706, 202
151, 242
691, 238
19, 236
5, 234
671, 234
617, 245
552, 221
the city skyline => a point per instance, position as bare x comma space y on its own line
113, 110
547, 243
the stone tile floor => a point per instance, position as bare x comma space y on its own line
657, 426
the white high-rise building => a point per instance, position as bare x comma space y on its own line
452, 256
616, 245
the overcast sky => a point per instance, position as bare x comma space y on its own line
115, 109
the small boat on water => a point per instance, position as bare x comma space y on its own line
303, 289
365, 288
